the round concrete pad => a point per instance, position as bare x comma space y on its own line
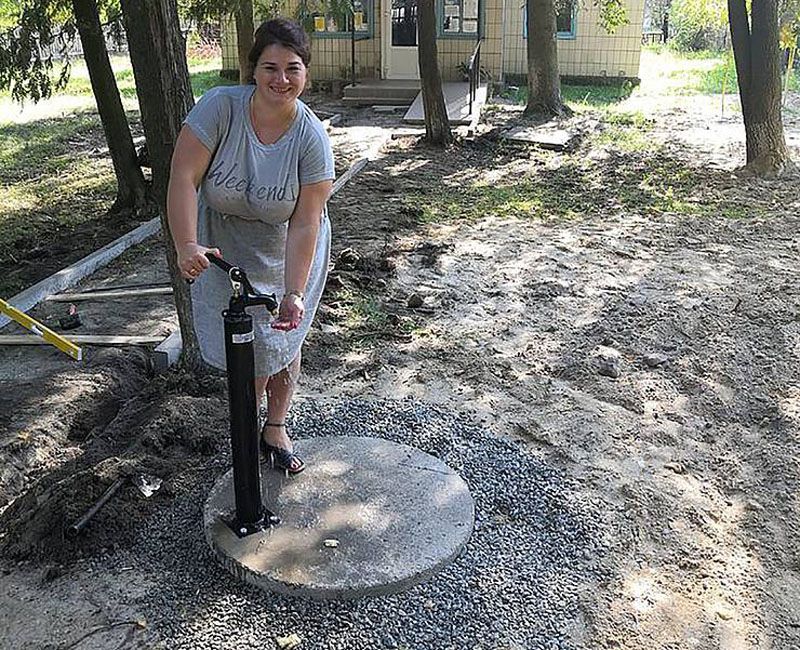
366, 517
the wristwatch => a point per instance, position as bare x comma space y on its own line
296, 294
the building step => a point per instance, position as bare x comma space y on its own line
377, 101
387, 92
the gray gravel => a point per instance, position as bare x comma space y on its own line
535, 554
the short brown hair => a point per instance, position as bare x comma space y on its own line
279, 31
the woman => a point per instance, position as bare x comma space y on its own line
263, 165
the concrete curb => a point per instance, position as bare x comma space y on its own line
71, 275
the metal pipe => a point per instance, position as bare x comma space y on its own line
353, 44
74, 530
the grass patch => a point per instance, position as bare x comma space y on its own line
364, 318
668, 49
203, 75
55, 190
205, 80
723, 76
697, 55
596, 96
650, 182
51, 185
705, 72
364, 314
578, 96
626, 131
34, 150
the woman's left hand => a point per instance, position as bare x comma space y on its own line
290, 313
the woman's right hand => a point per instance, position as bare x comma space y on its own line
192, 260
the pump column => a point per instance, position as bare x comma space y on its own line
250, 512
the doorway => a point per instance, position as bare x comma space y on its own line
400, 39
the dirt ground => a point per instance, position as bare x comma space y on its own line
650, 354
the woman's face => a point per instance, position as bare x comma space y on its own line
280, 75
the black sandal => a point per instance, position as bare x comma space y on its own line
279, 457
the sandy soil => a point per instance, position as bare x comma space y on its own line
650, 355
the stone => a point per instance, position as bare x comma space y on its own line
415, 301
655, 359
288, 642
608, 362
347, 260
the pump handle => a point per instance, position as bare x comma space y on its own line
251, 297
218, 261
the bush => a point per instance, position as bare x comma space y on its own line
698, 25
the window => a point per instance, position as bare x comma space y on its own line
565, 21
404, 23
459, 18
332, 19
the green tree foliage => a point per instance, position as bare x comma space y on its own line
657, 9
204, 11
703, 24
28, 46
307, 9
789, 13
698, 24
8, 13
612, 14
35, 39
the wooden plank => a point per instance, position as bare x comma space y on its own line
355, 168
103, 295
546, 136
89, 339
68, 277
456, 97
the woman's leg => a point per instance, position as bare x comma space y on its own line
279, 388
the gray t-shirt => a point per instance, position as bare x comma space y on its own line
250, 179
245, 201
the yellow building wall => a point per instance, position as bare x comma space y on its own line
455, 51
330, 57
230, 59
592, 53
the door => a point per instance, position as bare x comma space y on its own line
400, 39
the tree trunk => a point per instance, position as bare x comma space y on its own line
131, 188
544, 84
437, 124
244, 38
158, 55
756, 51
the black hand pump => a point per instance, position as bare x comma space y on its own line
251, 514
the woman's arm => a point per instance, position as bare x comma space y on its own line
301, 242
190, 160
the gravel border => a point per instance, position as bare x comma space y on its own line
533, 558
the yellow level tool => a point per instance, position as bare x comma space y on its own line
68, 347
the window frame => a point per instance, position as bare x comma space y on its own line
359, 36
461, 36
562, 36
